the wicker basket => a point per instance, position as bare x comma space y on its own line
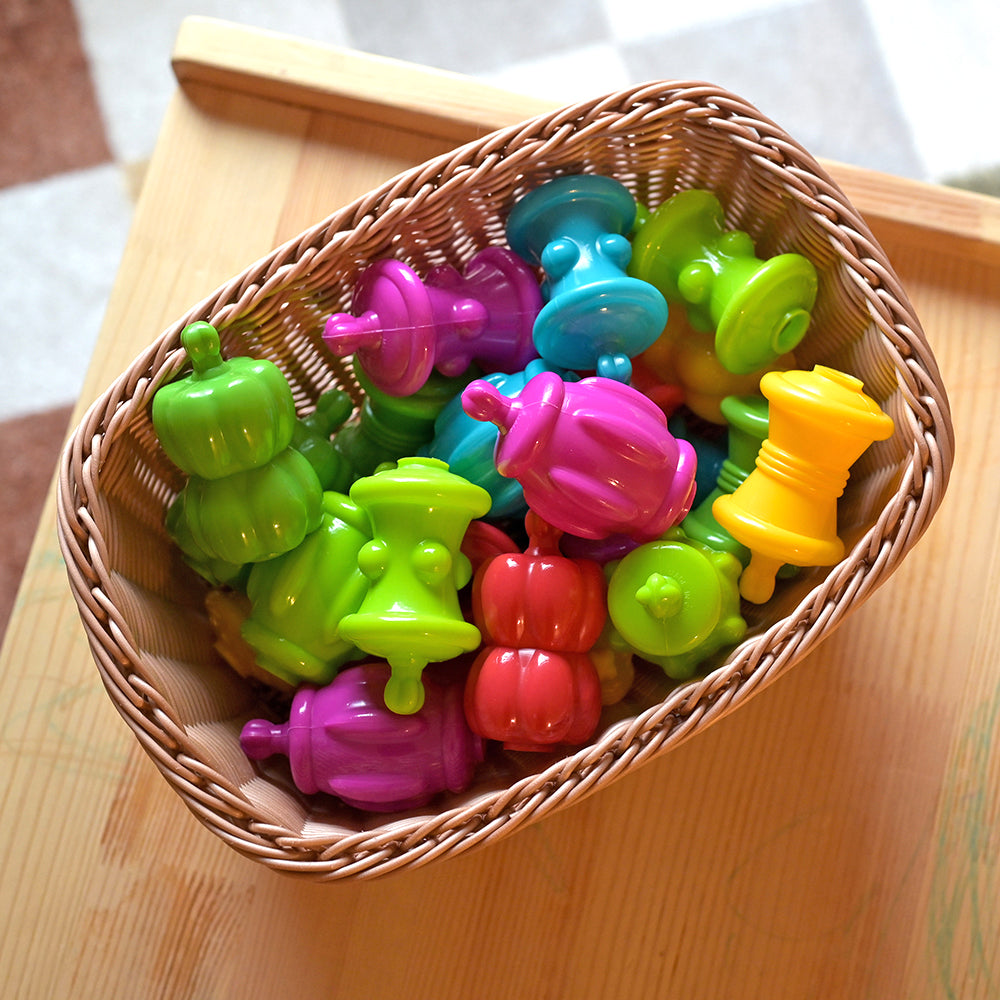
142, 608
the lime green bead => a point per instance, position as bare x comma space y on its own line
256, 514
299, 598
676, 602
411, 616
664, 597
226, 416
747, 417
661, 596
313, 438
758, 309
217, 572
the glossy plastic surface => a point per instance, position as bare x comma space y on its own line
227, 610
539, 612
596, 316
595, 457
468, 445
747, 417
601, 550
257, 514
484, 540
503, 282
533, 699
396, 324
688, 358
299, 598
419, 514
342, 740
785, 511
709, 443
540, 598
404, 327
614, 661
229, 424
312, 438
387, 428
215, 571
667, 393
226, 416
758, 309
676, 602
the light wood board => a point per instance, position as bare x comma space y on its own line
836, 837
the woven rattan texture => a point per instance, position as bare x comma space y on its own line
143, 609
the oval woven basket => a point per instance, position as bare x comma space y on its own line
143, 609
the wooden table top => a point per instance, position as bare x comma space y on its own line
839, 835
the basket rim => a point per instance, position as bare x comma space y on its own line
750, 667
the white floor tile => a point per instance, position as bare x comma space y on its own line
942, 57
65, 238
473, 37
129, 43
635, 20
565, 79
815, 69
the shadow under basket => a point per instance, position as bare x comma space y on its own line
143, 608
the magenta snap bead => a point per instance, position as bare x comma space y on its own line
396, 325
342, 740
507, 287
402, 327
595, 458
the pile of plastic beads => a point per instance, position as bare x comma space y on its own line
545, 483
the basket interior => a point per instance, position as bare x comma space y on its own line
190, 706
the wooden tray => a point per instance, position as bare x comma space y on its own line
857, 842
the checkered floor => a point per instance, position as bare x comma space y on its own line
899, 85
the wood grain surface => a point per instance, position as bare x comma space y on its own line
836, 837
